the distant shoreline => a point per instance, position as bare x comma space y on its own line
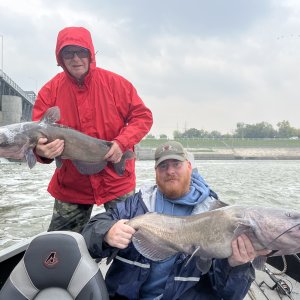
232, 154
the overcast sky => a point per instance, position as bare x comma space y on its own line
196, 64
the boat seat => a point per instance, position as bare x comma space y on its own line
56, 265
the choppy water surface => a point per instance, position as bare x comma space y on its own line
26, 207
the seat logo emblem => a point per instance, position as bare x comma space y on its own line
51, 260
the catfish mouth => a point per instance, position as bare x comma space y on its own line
9, 151
292, 235
3, 140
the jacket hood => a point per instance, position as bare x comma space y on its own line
76, 36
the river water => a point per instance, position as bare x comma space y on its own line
26, 207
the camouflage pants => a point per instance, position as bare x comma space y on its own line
112, 203
73, 217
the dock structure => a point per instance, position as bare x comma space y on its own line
15, 104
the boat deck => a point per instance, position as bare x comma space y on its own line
265, 288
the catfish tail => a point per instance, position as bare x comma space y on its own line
120, 166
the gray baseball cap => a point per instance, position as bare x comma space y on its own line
170, 150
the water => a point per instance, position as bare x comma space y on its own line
26, 206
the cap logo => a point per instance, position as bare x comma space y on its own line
166, 148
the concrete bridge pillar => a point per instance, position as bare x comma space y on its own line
11, 110
26, 111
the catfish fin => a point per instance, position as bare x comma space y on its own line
204, 264
52, 115
151, 246
88, 168
211, 203
196, 250
58, 162
30, 158
242, 227
217, 203
259, 262
120, 166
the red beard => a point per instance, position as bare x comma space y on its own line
174, 187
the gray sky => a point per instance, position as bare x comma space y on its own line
196, 64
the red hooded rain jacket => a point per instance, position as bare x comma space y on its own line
105, 106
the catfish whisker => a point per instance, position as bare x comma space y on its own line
282, 234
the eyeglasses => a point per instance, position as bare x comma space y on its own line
69, 54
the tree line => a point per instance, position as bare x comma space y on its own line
259, 130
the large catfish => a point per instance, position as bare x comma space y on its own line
209, 235
87, 153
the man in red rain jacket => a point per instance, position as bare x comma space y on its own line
101, 104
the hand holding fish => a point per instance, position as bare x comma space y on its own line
114, 154
49, 150
119, 235
243, 251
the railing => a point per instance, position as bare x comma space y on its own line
29, 97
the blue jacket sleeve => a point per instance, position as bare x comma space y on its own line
231, 282
94, 233
99, 225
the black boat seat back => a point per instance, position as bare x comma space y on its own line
56, 265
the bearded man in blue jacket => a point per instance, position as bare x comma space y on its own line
179, 191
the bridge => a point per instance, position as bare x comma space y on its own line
15, 104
